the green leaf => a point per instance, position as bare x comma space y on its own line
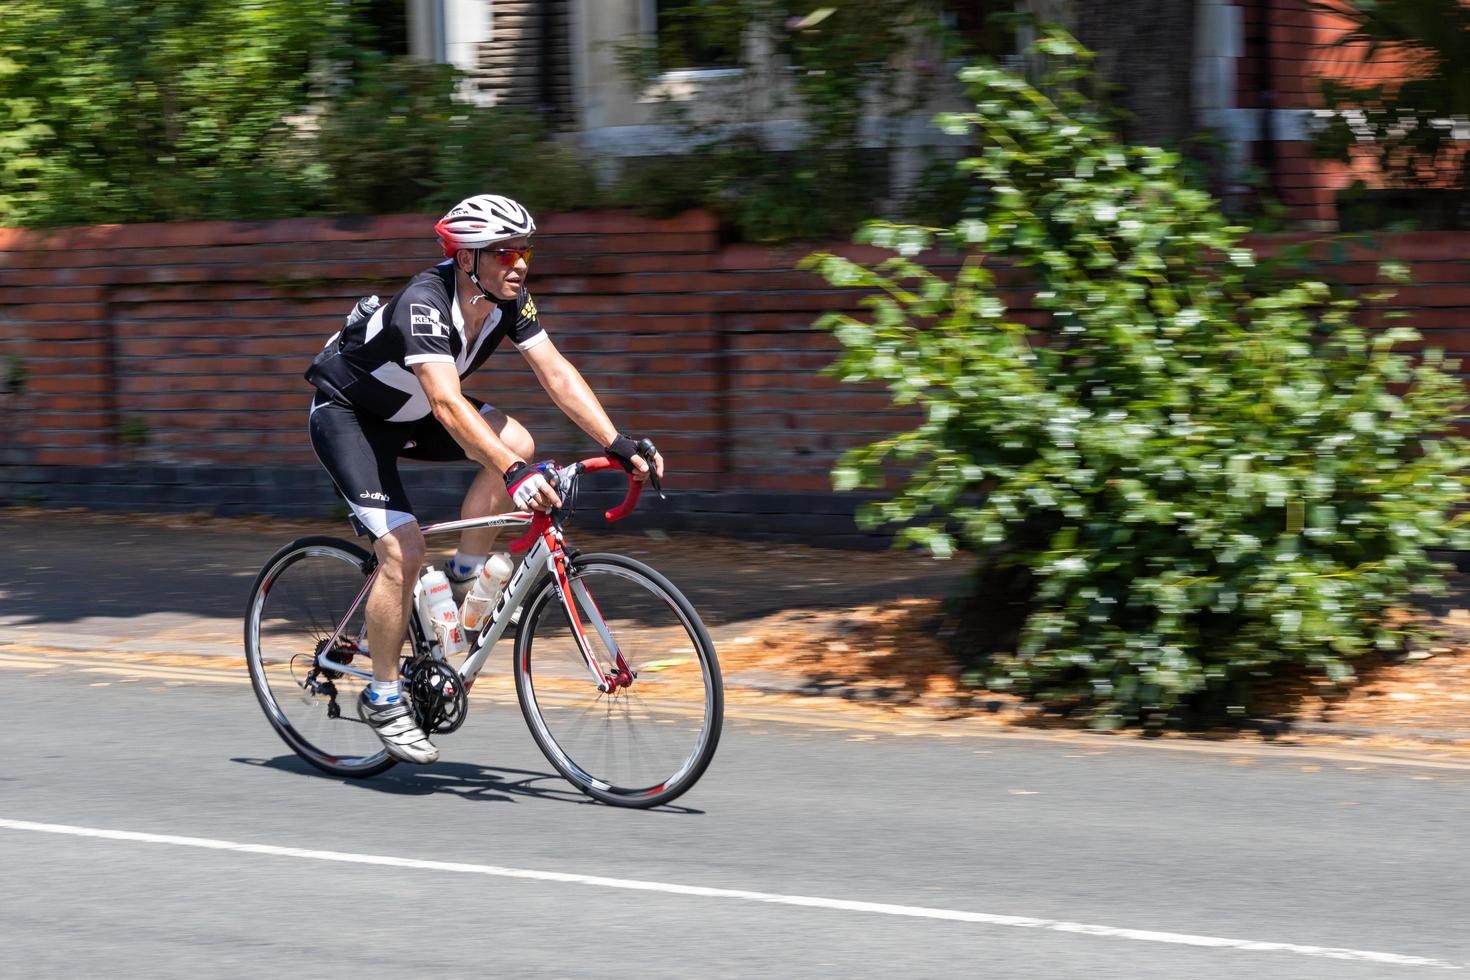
1192, 475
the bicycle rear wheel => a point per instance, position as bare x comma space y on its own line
639, 745
298, 598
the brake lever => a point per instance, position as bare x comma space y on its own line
565, 486
647, 450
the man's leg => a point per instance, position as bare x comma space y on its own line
360, 454
487, 494
400, 556
385, 706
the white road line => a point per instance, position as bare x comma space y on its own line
878, 908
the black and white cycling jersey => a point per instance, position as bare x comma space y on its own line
369, 365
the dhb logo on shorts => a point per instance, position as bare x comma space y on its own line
424, 321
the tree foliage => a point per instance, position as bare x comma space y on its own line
145, 110
1201, 479
133, 109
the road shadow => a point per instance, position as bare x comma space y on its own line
140, 567
493, 784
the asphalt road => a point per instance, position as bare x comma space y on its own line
1125, 850
152, 824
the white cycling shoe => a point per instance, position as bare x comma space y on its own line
393, 722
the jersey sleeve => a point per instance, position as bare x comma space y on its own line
422, 319
525, 328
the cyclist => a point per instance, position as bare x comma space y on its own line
388, 386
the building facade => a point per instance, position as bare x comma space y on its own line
1239, 76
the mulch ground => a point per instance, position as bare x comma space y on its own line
893, 650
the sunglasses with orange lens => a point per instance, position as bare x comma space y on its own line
510, 256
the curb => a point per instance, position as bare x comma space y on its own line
769, 683
1268, 727
1274, 728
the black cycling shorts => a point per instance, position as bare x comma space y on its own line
361, 453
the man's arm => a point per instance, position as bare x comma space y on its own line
440, 382
571, 393
459, 418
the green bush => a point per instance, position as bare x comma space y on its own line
398, 140
504, 151
169, 110
760, 194
138, 110
1198, 480
380, 138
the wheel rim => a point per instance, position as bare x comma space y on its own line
292, 615
647, 739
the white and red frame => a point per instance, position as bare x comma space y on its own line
545, 548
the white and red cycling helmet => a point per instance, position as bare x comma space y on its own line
482, 220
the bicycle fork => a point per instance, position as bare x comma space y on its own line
607, 681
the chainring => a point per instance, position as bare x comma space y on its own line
438, 693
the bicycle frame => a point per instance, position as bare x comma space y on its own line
545, 548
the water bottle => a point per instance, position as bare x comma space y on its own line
435, 598
365, 308
485, 591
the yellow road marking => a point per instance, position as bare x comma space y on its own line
814, 716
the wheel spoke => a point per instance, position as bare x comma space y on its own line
617, 745
294, 609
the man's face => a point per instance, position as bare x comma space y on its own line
502, 272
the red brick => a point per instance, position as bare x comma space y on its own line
48, 312
206, 234
61, 384
1415, 295
49, 295
742, 324
73, 457
72, 436
72, 403
695, 340
66, 349
64, 276
801, 362
553, 261
303, 348
678, 243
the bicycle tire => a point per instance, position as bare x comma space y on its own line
296, 621
657, 630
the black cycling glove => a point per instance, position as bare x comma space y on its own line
622, 450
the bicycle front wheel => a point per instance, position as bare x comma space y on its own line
638, 745
297, 601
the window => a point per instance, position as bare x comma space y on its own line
382, 25
694, 35
979, 31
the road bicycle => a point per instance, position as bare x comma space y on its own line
615, 673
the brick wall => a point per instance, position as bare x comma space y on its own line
163, 362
